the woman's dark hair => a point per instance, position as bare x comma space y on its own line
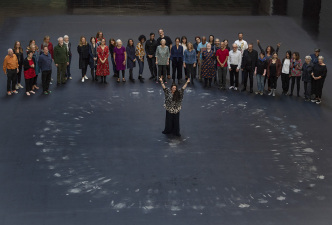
177, 38
272, 49
198, 38
110, 42
184, 38
290, 54
263, 53
141, 37
297, 55
129, 41
92, 38
176, 94
211, 36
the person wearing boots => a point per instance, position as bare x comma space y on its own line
131, 58
296, 70
140, 53
273, 72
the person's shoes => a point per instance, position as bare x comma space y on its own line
85, 77
257, 92
37, 87
27, 93
9, 93
82, 79
49, 91
273, 92
16, 86
20, 86
314, 100
45, 93
307, 99
262, 93
118, 80
235, 88
32, 92
70, 78
15, 92
231, 87
164, 132
318, 102
270, 93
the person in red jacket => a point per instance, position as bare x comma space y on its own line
29, 72
273, 72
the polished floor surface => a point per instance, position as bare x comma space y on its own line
91, 153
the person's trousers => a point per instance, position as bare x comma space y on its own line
140, 66
11, 79
118, 73
273, 82
162, 70
85, 64
190, 71
68, 74
260, 82
222, 73
152, 66
19, 74
172, 123
317, 86
245, 74
307, 90
61, 73
46, 79
285, 82
234, 75
28, 84
35, 79
268, 82
200, 68
177, 68
296, 79
114, 66
168, 68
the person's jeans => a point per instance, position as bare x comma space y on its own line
260, 82
46, 79
61, 73
140, 66
233, 74
307, 90
152, 66
68, 74
222, 73
11, 79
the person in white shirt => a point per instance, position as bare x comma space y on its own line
234, 66
241, 44
285, 72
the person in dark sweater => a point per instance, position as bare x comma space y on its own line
318, 76
18, 51
260, 72
273, 72
177, 61
131, 58
45, 65
84, 56
249, 61
150, 50
306, 77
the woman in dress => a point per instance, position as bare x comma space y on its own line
131, 58
173, 104
120, 58
177, 60
285, 72
306, 77
93, 57
103, 69
208, 68
273, 72
36, 55
111, 47
18, 51
189, 62
29, 72
162, 60
296, 70
140, 53
84, 56
319, 76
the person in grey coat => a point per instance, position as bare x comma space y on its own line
306, 77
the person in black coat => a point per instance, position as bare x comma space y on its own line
93, 57
307, 69
67, 43
249, 61
131, 58
84, 56
150, 50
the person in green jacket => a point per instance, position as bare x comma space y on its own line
61, 61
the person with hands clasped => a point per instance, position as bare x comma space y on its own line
260, 73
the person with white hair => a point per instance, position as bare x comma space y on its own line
162, 60
10, 68
120, 58
61, 61
67, 43
306, 77
318, 75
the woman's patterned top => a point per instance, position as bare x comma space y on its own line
170, 105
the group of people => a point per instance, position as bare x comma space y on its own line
208, 60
